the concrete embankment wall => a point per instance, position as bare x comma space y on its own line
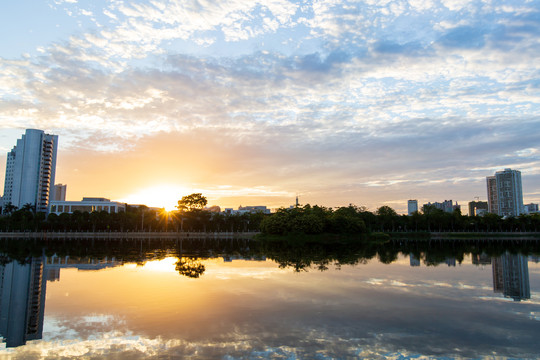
127, 235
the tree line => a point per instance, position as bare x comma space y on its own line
353, 219
191, 215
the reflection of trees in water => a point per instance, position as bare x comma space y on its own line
296, 255
190, 267
303, 256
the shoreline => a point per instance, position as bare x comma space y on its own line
118, 235
127, 235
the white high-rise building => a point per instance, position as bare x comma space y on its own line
505, 195
30, 170
412, 206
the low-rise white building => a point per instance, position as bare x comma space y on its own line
246, 210
87, 204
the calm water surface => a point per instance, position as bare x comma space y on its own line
242, 305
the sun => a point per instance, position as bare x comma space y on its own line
164, 265
163, 196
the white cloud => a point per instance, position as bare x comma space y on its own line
378, 81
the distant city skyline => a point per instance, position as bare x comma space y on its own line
33, 140
369, 103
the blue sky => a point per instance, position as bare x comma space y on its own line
363, 102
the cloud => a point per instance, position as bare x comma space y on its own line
369, 90
464, 37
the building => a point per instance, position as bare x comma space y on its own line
60, 192
255, 209
505, 196
446, 206
412, 207
493, 203
87, 204
478, 207
531, 208
246, 210
30, 170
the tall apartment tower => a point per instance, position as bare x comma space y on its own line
505, 195
493, 203
412, 206
31, 169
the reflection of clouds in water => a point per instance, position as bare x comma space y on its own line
375, 281
232, 273
123, 346
316, 345
534, 315
56, 328
326, 335
398, 283
421, 284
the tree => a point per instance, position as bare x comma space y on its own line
9, 208
387, 217
192, 202
28, 207
491, 221
190, 267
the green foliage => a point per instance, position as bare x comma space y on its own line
192, 202
314, 220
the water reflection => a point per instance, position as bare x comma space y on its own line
421, 304
510, 273
22, 300
511, 276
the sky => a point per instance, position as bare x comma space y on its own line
369, 103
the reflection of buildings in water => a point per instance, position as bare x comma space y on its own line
413, 260
230, 258
511, 276
54, 263
22, 294
450, 261
481, 259
22, 301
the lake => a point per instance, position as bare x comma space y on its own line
239, 299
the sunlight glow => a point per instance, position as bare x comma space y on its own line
166, 196
165, 265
